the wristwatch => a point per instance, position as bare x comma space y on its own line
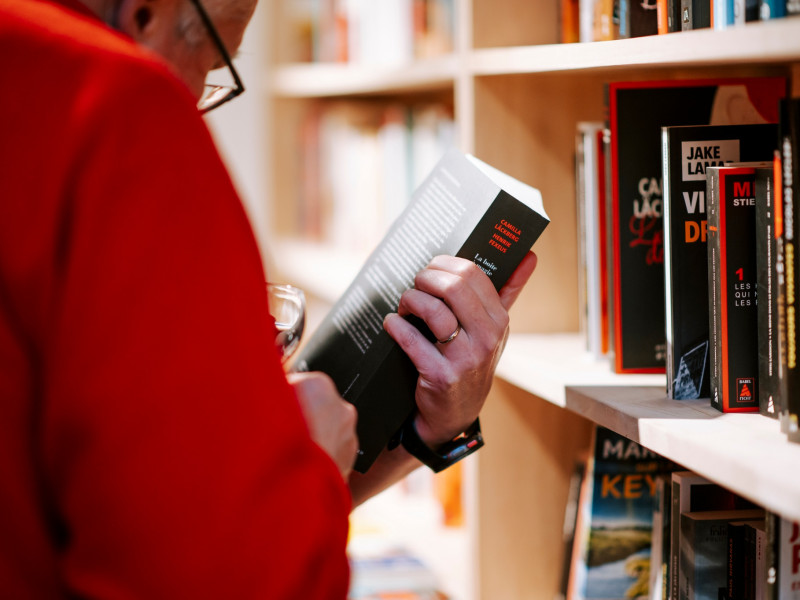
447, 454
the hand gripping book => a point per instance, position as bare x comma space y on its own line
464, 208
687, 152
637, 110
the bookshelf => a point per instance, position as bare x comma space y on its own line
517, 95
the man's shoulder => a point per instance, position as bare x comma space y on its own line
75, 55
65, 28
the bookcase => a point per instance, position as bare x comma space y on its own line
517, 95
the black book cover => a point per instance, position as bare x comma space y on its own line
637, 111
769, 254
464, 208
790, 172
687, 152
733, 313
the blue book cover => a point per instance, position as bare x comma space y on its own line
621, 489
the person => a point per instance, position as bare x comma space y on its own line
151, 445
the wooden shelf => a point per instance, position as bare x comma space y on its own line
318, 80
757, 43
746, 453
771, 42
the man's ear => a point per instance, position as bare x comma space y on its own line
146, 21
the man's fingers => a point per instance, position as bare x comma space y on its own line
511, 290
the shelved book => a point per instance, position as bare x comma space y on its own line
704, 551
688, 151
770, 264
590, 172
611, 549
637, 111
732, 287
782, 558
464, 208
790, 185
692, 492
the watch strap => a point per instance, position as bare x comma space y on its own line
445, 455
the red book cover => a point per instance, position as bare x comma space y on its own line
733, 309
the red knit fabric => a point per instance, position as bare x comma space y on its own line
150, 446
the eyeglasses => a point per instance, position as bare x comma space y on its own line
218, 94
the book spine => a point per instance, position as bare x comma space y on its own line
790, 119
701, 14
669, 293
674, 21
714, 288
771, 9
792, 7
739, 321
687, 10
768, 351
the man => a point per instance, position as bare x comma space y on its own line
150, 445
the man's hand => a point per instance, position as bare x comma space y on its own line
455, 376
331, 419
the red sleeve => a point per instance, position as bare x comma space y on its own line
176, 454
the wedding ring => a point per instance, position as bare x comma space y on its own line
452, 336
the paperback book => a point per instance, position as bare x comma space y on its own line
790, 183
464, 208
611, 551
637, 111
770, 261
732, 308
592, 236
704, 551
692, 492
782, 558
688, 151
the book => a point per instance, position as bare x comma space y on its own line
572, 512
692, 492
464, 208
782, 558
790, 183
687, 152
704, 551
771, 9
592, 246
733, 311
742, 575
637, 110
695, 14
659, 545
611, 557
769, 257
637, 18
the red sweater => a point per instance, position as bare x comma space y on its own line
150, 446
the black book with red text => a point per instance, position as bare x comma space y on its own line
464, 208
637, 111
687, 152
732, 286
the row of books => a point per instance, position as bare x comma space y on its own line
359, 163
656, 294
372, 32
601, 20
637, 526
